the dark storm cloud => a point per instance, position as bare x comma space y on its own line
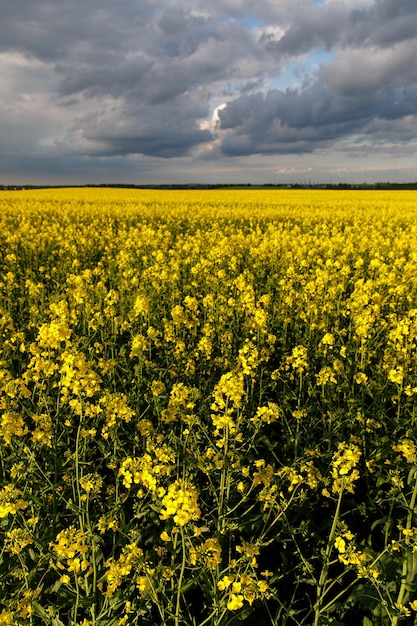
55, 30
152, 132
368, 79
110, 79
316, 26
172, 54
163, 76
124, 75
284, 122
324, 26
339, 103
121, 59
383, 24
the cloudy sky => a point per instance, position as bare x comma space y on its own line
164, 91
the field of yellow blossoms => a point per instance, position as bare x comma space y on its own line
208, 408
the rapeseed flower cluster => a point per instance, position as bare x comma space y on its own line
181, 503
208, 554
10, 501
130, 559
344, 467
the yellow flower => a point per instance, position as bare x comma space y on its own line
235, 602
142, 584
263, 586
16, 540
224, 583
344, 470
12, 425
180, 502
10, 502
209, 553
68, 543
408, 449
396, 375
229, 390
298, 359
266, 414
404, 610
360, 378
340, 544
141, 305
6, 618
91, 483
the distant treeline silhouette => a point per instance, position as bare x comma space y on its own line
344, 186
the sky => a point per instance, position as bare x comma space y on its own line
190, 91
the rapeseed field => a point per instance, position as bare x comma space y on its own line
208, 408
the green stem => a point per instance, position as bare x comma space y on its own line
77, 466
223, 479
77, 598
180, 579
321, 587
93, 563
341, 593
208, 619
404, 571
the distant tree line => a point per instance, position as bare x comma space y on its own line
344, 186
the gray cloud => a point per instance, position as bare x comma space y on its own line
323, 26
316, 26
367, 80
306, 120
385, 23
51, 30
165, 131
108, 80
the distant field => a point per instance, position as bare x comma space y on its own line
207, 407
